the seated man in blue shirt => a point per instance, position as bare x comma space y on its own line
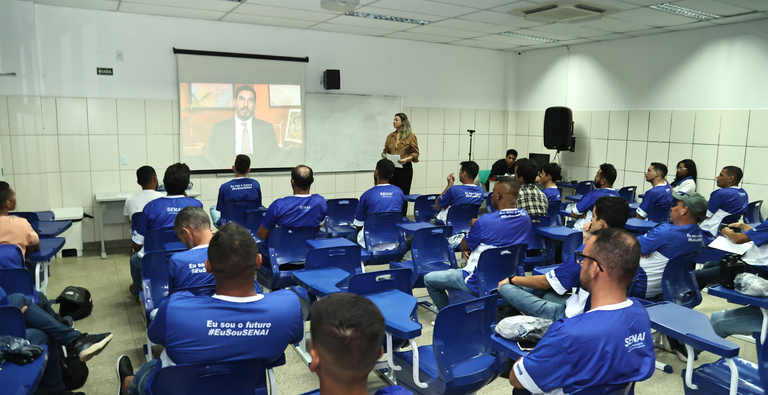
660, 192
241, 189
160, 213
234, 324
297, 211
727, 204
187, 269
545, 295
611, 343
549, 176
668, 241
338, 321
382, 198
464, 194
604, 180
503, 228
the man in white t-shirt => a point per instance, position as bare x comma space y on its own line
147, 178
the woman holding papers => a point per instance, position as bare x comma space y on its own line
402, 143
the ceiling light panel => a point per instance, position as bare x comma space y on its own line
685, 11
388, 18
529, 37
711, 6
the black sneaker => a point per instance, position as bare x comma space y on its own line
86, 346
123, 369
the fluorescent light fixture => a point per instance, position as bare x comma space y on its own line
387, 18
685, 11
529, 37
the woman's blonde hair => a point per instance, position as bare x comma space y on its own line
406, 131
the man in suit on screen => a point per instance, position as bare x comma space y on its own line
243, 134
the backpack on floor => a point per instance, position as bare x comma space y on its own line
75, 302
74, 373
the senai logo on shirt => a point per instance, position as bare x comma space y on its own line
472, 195
173, 209
386, 194
635, 341
305, 207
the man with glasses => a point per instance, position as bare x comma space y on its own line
544, 296
585, 351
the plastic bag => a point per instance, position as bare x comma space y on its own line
750, 284
522, 327
18, 350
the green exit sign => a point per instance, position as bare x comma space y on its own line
104, 71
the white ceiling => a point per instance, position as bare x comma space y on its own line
473, 23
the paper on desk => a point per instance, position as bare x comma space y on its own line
724, 244
395, 159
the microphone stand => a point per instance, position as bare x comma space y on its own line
471, 137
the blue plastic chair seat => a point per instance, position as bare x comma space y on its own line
51, 229
322, 282
48, 249
574, 198
715, 378
23, 379
339, 217
556, 232
396, 307
639, 225
691, 327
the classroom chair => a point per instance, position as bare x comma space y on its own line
679, 283
11, 256
162, 239
488, 204
383, 239
584, 187
460, 359
253, 219
494, 265
346, 258
571, 243
235, 212
339, 217
154, 281
430, 252
288, 250
459, 217
541, 250
553, 212
424, 208
44, 224
244, 377
659, 213
628, 193
18, 281
753, 214
20, 379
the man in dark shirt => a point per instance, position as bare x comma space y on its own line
504, 166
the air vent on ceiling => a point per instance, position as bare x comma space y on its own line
568, 11
339, 5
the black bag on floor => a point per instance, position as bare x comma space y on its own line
75, 302
730, 266
74, 373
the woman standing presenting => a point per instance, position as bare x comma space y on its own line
404, 143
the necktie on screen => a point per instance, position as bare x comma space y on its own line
246, 140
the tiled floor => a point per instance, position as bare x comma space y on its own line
115, 311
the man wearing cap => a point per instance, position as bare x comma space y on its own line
669, 241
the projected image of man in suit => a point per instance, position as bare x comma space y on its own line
243, 134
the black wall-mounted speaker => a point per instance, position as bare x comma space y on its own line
332, 79
558, 128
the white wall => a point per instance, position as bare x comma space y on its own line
73, 43
721, 67
18, 48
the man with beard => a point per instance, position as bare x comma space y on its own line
243, 134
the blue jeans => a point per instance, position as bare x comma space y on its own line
740, 321
42, 328
437, 283
215, 216
136, 272
535, 302
139, 383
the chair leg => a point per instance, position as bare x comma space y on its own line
272, 383
415, 351
149, 354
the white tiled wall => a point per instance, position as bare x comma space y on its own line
631, 140
59, 152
